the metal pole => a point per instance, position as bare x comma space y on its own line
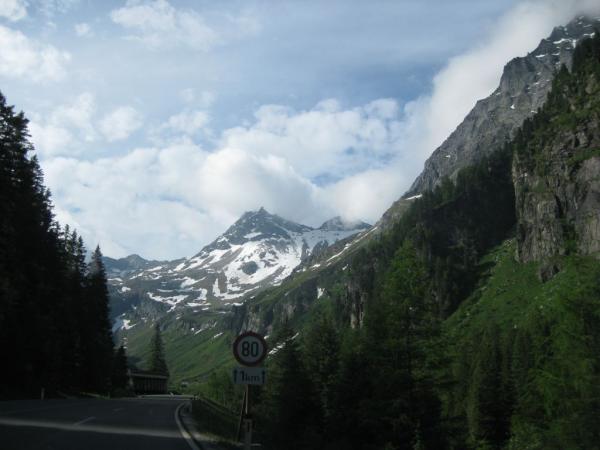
247, 422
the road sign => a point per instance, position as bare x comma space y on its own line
250, 349
249, 375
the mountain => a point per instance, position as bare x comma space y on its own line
523, 89
342, 272
479, 307
455, 232
339, 224
128, 264
260, 249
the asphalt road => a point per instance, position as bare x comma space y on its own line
91, 424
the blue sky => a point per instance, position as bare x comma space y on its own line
159, 122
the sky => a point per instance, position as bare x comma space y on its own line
159, 122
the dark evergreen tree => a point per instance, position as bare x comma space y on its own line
402, 330
98, 339
285, 414
488, 410
158, 362
119, 375
321, 348
42, 276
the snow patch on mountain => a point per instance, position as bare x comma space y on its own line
259, 250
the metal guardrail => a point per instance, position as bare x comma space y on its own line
214, 418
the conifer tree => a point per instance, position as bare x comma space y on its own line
119, 377
98, 338
158, 363
321, 355
285, 407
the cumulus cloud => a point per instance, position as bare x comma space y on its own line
305, 165
158, 24
120, 123
188, 122
50, 139
21, 57
214, 188
204, 99
50, 8
476, 73
13, 10
60, 131
176, 192
326, 139
83, 30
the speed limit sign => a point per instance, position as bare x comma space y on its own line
250, 349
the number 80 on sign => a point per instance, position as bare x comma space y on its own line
250, 349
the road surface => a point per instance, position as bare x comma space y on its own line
91, 424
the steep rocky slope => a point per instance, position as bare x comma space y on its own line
557, 169
523, 88
259, 250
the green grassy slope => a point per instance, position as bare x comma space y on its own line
548, 335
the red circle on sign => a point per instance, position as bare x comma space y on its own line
250, 355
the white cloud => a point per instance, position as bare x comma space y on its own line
187, 122
232, 181
324, 140
179, 189
159, 24
78, 114
51, 8
51, 140
13, 10
188, 95
476, 73
21, 57
120, 123
61, 131
167, 201
153, 188
83, 30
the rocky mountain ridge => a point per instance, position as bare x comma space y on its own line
260, 249
523, 88
556, 171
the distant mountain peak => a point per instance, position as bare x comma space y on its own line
339, 224
260, 249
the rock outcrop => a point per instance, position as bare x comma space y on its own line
556, 170
523, 88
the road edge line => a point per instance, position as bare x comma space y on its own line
184, 432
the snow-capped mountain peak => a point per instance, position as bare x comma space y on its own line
259, 250
340, 224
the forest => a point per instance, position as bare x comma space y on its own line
55, 334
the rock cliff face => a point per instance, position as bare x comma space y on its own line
556, 170
523, 88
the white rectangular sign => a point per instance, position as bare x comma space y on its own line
249, 375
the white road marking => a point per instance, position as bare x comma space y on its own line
183, 431
81, 422
105, 429
43, 408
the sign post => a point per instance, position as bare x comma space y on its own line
249, 349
